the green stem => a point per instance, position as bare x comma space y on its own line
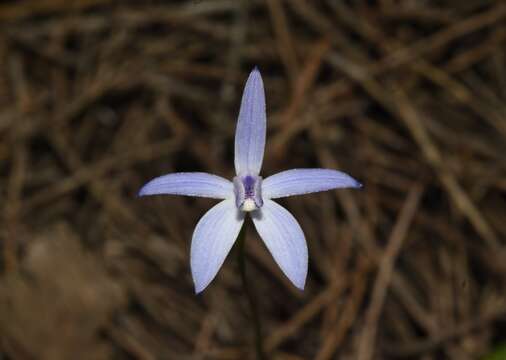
250, 295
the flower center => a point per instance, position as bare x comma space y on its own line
248, 192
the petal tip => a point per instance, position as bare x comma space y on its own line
146, 189
255, 74
300, 285
199, 289
142, 191
199, 285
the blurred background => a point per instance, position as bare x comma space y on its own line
99, 96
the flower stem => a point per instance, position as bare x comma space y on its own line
250, 295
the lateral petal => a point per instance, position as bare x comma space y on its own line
285, 240
190, 184
305, 181
212, 240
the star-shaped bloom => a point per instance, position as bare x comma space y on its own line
248, 192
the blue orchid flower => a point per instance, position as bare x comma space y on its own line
218, 229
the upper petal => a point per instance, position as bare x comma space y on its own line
251, 124
285, 240
212, 240
191, 184
304, 181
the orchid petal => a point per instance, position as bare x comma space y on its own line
190, 184
212, 240
285, 240
251, 124
304, 181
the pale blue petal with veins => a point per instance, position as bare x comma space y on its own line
189, 184
305, 181
285, 240
251, 125
212, 240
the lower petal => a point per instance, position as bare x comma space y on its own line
212, 240
285, 240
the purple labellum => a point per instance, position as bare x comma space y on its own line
248, 192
